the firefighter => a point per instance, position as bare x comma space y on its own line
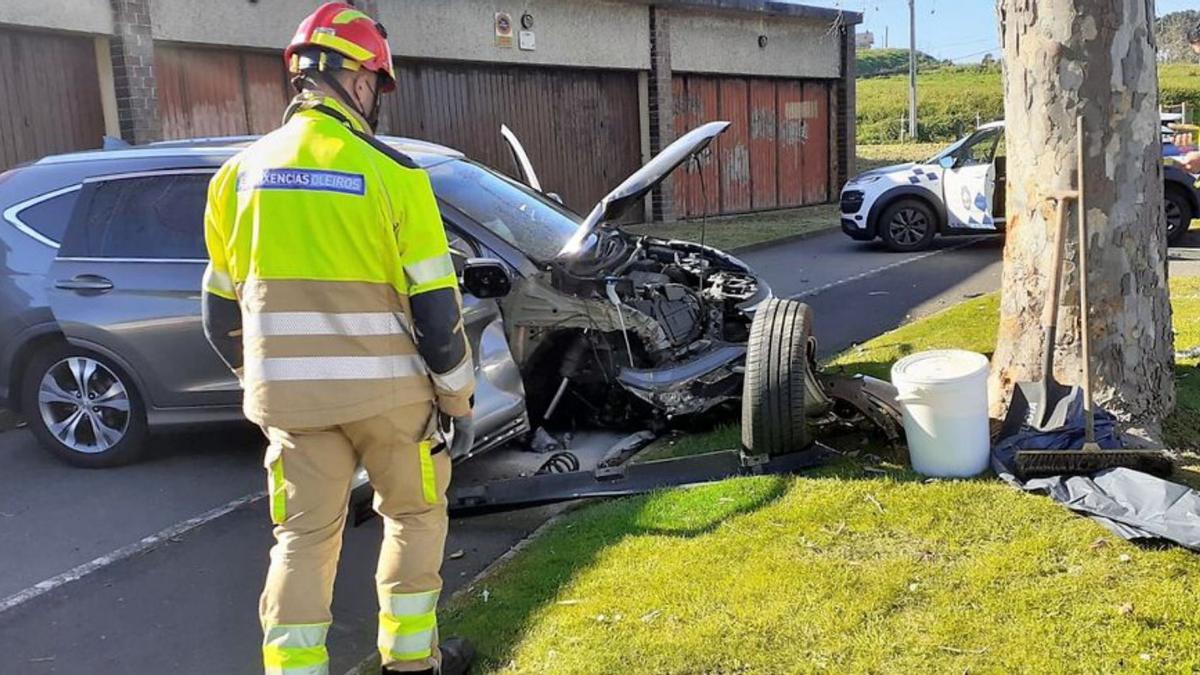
331, 293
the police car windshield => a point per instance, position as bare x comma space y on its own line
515, 213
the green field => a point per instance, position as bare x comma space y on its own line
951, 99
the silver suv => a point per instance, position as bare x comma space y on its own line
103, 252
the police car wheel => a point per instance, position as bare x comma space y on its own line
1179, 215
907, 225
83, 408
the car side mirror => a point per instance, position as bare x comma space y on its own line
946, 162
486, 278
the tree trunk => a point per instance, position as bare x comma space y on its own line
1063, 58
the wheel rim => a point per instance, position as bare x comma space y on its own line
908, 227
84, 405
1174, 216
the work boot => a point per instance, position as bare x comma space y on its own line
457, 655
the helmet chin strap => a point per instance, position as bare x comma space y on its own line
312, 77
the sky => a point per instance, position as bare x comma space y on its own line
959, 30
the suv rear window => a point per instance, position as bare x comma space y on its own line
149, 217
50, 218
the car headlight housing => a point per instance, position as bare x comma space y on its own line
863, 180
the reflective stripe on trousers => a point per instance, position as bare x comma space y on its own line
408, 626
295, 649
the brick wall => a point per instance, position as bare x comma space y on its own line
662, 108
136, 88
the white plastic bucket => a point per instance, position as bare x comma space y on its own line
944, 397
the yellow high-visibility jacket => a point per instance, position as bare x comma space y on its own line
335, 255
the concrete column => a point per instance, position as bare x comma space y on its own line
661, 107
848, 105
108, 92
133, 71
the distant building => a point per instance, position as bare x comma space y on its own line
864, 40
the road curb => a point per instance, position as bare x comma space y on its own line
371, 664
790, 239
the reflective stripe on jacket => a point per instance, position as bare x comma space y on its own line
326, 243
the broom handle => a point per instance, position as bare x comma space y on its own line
1050, 311
1084, 323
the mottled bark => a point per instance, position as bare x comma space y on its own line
1063, 58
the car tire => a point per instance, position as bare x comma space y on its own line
908, 225
83, 408
774, 420
1178, 210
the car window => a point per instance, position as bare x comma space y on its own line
1001, 148
978, 150
533, 224
148, 217
49, 218
461, 248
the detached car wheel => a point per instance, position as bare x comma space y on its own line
774, 410
1179, 214
83, 408
907, 225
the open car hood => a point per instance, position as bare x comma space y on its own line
642, 181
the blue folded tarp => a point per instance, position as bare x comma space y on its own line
1133, 505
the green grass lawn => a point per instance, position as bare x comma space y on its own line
844, 570
875, 156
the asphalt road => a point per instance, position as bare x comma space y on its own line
187, 604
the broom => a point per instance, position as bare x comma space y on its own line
1091, 457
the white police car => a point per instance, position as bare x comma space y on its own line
960, 190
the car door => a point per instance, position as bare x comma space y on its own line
126, 282
499, 411
968, 183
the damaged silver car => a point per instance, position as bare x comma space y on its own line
630, 330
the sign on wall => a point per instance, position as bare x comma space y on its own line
504, 30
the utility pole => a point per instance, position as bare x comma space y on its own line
912, 69
885, 36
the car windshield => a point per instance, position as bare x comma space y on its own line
949, 150
974, 138
534, 224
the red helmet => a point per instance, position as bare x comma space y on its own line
340, 28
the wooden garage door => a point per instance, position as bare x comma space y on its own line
776, 153
40, 114
580, 127
218, 92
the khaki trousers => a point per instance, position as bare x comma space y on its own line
309, 477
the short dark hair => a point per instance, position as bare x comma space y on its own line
1193, 35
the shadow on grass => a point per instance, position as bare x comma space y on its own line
497, 613
535, 579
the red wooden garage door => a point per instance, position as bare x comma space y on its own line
51, 100
776, 153
218, 92
581, 128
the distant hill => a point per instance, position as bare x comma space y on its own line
951, 99
872, 62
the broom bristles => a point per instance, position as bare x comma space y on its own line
1046, 463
